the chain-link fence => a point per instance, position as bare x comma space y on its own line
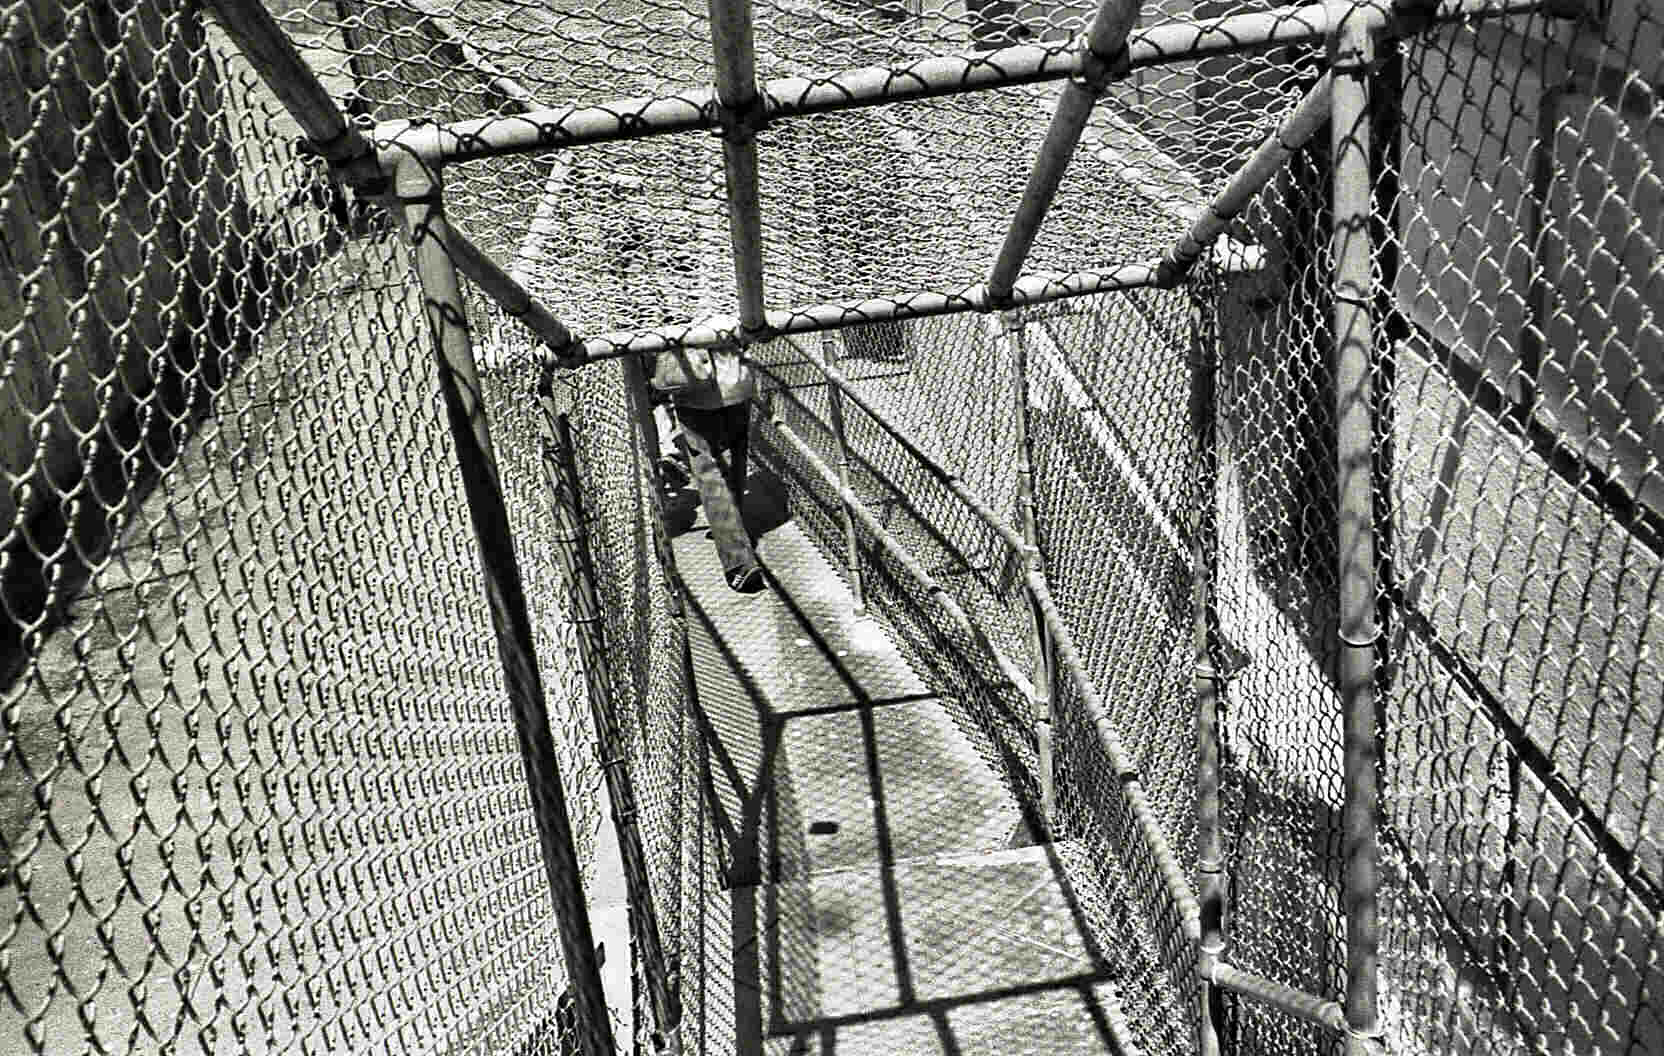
259, 789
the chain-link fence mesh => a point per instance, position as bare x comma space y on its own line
1515, 211
258, 787
951, 170
1521, 499
951, 385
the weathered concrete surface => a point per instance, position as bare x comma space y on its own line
871, 905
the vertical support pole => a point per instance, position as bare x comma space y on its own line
1210, 852
835, 411
641, 405
1349, 128
418, 189
741, 111
577, 565
1040, 642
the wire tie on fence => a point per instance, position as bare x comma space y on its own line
1207, 671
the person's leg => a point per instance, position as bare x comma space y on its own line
674, 474
737, 433
703, 431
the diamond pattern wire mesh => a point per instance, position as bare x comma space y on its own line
951, 169
1274, 585
1524, 430
257, 788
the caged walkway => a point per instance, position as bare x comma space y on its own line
885, 892
1207, 471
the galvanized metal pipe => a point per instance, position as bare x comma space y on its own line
514, 299
1354, 330
1285, 999
816, 318
639, 117
1292, 133
741, 113
418, 190
1179, 891
835, 415
1068, 657
1210, 851
274, 57
578, 568
903, 557
1040, 644
930, 463
1103, 57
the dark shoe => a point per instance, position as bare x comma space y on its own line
673, 476
746, 580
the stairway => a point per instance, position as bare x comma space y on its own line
872, 901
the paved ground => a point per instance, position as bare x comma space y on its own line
874, 904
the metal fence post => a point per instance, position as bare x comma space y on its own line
835, 414
418, 189
1040, 642
741, 112
577, 564
1210, 854
1103, 57
1349, 131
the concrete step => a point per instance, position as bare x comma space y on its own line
825, 748
985, 953
870, 903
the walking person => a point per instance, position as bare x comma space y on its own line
711, 390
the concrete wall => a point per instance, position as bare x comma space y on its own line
1532, 237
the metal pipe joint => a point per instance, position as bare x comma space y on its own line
740, 123
1097, 70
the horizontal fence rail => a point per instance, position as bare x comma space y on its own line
1027, 291
693, 111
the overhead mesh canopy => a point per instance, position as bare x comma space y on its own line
876, 202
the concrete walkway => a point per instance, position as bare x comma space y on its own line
873, 903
